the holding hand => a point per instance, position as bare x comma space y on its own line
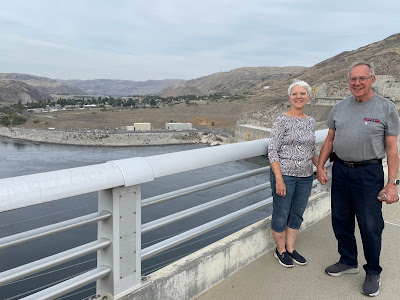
322, 175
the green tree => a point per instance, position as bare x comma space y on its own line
16, 119
5, 121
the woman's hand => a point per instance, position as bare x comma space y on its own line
280, 188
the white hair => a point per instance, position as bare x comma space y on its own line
362, 63
300, 83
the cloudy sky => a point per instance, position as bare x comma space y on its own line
148, 39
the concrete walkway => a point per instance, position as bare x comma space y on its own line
265, 279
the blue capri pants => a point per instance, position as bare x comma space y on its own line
288, 210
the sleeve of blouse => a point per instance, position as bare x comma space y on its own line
275, 140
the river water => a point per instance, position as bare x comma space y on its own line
21, 158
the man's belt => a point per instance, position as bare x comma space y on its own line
356, 164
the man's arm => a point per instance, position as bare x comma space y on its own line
326, 150
393, 168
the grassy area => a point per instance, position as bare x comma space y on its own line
212, 114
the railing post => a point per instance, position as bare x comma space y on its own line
123, 229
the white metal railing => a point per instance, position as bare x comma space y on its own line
118, 183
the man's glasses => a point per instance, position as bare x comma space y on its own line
302, 94
360, 79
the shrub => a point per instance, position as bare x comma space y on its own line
16, 119
36, 121
5, 121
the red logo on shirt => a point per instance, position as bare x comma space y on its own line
372, 120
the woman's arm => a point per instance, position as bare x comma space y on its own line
280, 184
315, 160
274, 148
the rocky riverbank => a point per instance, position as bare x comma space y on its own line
98, 138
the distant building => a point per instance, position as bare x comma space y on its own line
70, 107
126, 99
141, 126
178, 126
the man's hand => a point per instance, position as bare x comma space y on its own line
389, 194
322, 175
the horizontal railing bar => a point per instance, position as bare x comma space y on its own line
200, 187
32, 189
51, 261
190, 234
44, 231
70, 285
178, 162
200, 208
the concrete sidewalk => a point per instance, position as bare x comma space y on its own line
264, 278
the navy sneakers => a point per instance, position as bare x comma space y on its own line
297, 258
284, 259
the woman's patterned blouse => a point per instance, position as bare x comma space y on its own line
292, 143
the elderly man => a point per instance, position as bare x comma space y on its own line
363, 128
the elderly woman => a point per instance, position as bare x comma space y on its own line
292, 154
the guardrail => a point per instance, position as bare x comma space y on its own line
118, 184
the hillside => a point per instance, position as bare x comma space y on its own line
330, 79
107, 87
330, 75
237, 81
11, 92
16, 87
43, 84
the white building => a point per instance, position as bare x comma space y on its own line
142, 126
178, 126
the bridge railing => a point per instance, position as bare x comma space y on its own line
118, 184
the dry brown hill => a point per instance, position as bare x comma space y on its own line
330, 79
107, 87
11, 92
43, 84
331, 74
42, 87
237, 81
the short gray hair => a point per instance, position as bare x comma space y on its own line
362, 63
300, 83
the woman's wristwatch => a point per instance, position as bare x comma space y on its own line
395, 181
